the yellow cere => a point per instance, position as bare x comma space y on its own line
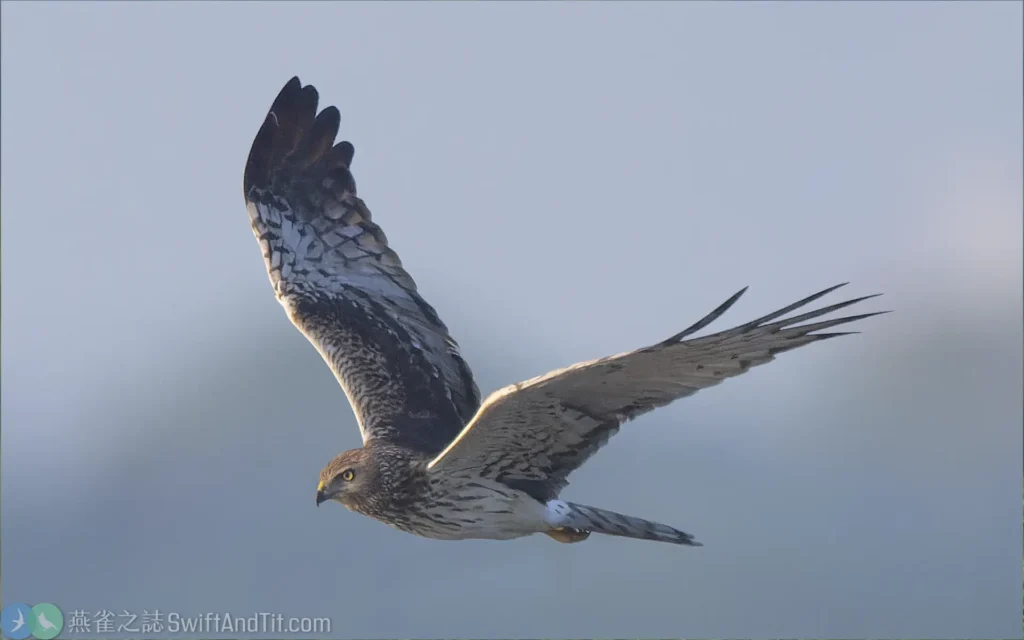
320, 487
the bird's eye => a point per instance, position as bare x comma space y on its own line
347, 475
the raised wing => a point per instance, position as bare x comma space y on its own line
532, 435
344, 287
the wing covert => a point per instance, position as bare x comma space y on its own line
342, 285
533, 434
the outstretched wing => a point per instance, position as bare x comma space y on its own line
532, 435
344, 287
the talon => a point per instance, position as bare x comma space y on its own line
568, 535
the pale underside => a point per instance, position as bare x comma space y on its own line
506, 461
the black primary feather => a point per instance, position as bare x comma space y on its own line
344, 287
532, 435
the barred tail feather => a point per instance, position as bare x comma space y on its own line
578, 516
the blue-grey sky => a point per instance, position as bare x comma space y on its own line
564, 181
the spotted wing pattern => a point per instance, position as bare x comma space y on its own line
343, 286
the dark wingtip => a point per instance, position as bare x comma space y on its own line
706, 320
290, 100
291, 86
293, 134
343, 152
788, 324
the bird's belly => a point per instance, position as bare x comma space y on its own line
474, 508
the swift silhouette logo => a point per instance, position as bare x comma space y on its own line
43, 621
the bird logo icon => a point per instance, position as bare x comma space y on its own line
46, 621
16, 620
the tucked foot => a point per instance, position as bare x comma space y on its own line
568, 535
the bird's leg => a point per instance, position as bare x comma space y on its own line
568, 535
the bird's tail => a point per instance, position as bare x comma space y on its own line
584, 518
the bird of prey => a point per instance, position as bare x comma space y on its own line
435, 461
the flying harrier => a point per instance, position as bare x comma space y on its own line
435, 461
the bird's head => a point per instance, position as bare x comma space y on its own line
347, 478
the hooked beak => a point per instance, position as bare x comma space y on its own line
321, 496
